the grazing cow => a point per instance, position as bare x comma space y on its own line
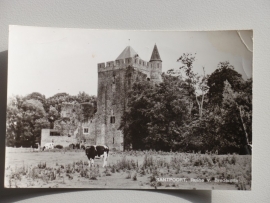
97, 151
48, 146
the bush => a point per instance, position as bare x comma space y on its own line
71, 146
152, 178
94, 173
233, 159
125, 164
148, 161
58, 147
128, 175
107, 172
134, 177
42, 165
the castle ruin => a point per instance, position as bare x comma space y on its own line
115, 79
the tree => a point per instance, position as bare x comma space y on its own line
231, 100
53, 115
14, 123
201, 91
36, 96
228, 125
215, 82
32, 111
57, 100
169, 114
83, 97
190, 78
21, 120
134, 120
197, 84
156, 115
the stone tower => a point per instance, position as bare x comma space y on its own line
115, 79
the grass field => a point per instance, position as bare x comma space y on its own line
127, 170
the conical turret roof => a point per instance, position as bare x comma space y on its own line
155, 55
128, 52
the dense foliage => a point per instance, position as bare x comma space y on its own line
189, 112
26, 116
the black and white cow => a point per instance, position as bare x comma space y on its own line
48, 146
97, 151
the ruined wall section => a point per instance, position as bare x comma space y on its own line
65, 141
90, 136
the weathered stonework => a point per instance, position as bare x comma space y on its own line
47, 137
115, 79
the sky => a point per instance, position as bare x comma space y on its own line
54, 60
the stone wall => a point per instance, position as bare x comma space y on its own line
113, 87
57, 140
91, 135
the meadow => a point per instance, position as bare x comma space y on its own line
66, 168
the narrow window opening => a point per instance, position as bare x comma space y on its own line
85, 131
112, 119
54, 133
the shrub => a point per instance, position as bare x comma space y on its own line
134, 177
70, 177
128, 175
142, 171
152, 178
208, 161
107, 172
33, 173
58, 147
42, 165
125, 164
233, 159
113, 168
148, 161
52, 176
94, 173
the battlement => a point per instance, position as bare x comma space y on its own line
137, 63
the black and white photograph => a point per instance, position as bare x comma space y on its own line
124, 109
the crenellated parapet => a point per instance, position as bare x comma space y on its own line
137, 63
